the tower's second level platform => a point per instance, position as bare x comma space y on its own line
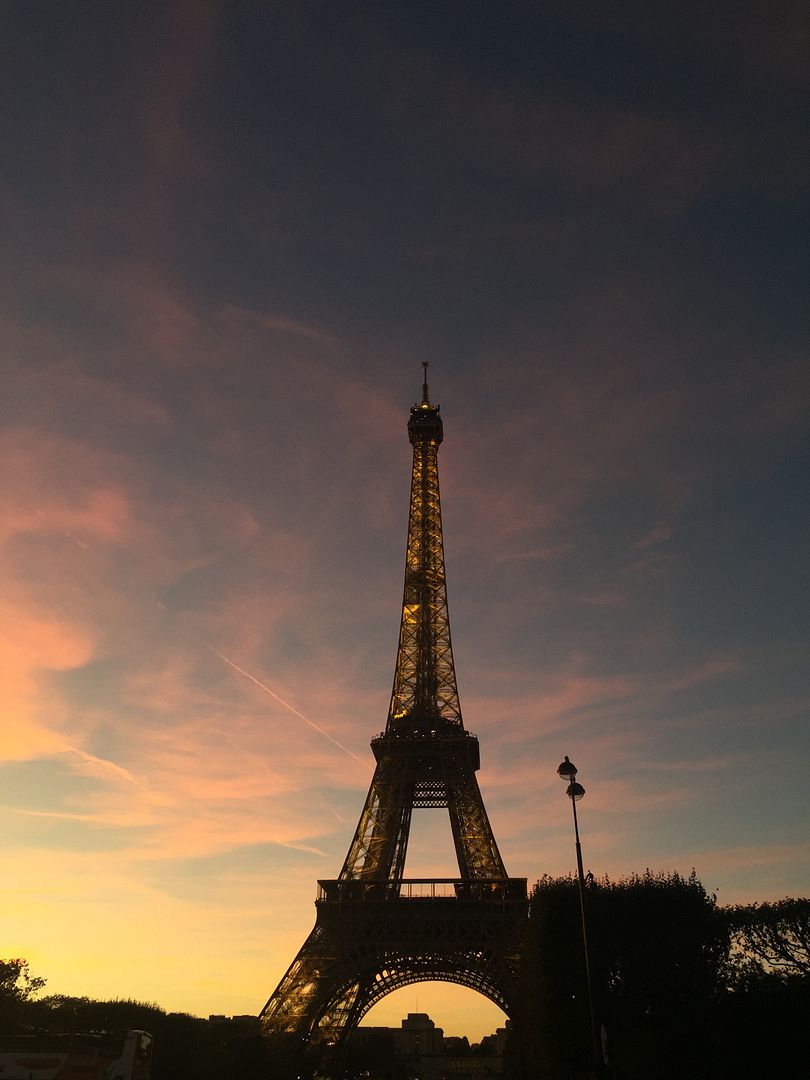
425, 743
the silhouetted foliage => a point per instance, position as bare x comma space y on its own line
769, 940
185, 1047
763, 1016
17, 988
658, 951
58, 1012
764, 1030
682, 986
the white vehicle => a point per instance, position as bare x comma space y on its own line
106, 1055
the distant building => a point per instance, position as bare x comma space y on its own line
241, 1025
456, 1045
420, 1037
419, 1048
493, 1045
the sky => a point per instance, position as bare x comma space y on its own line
231, 234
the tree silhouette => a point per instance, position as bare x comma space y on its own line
17, 986
769, 940
658, 954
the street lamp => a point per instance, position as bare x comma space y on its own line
567, 771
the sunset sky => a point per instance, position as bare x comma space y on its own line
231, 233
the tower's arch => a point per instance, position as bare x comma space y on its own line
470, 980
355, 999
453, 1006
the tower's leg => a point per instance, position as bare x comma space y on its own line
476, 849
381, 838
299, 996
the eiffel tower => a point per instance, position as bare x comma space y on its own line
376, 930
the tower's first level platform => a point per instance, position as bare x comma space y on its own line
496, 891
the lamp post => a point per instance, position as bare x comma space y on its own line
567, 771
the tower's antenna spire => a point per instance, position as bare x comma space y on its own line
425, 398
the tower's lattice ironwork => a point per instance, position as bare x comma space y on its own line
376, 930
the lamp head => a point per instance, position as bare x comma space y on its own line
567, 770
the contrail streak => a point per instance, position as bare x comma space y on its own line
286, 704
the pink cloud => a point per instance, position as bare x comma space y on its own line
658, 534
31, 645
52, 484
